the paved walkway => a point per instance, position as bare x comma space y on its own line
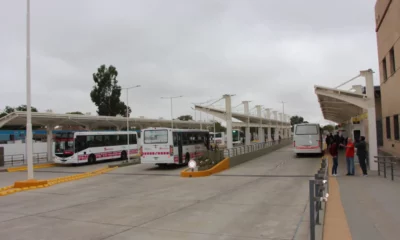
371, 205
262, 199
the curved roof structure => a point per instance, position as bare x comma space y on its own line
54, 119
339, 105
255, 121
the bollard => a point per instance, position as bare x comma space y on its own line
384, 167
391, 169
312, 210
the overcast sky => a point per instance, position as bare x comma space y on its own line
265, 51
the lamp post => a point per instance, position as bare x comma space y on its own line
283, 116
172, 118
28, 141
127, 120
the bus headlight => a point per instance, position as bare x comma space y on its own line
192, 164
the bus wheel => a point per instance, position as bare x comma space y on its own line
123, 155
92, 159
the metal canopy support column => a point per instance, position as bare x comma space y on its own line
268, 111
261, 134
228, 107
372, 136
49, 131
275, 114
289, 129
247, 136
281, 129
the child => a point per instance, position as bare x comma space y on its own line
333, 150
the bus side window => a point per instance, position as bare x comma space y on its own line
98, 140
132, 139
106, 140
113, 140
175, 138
196, 137
80, 143
90, 141
122, 140
190, 138
185, 139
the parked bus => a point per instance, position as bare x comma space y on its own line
218, 137
164, 146
307, 138
83, 147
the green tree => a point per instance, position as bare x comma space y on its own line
106, 92
296, 120
329, 128
76, 112
21, 108
185, 118
218, 127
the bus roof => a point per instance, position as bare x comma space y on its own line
103, 133
176, 129
299, 124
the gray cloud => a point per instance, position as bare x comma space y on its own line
264, 51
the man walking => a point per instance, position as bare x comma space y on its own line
361, 147
334, 153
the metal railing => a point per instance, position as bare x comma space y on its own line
386, 161
236, 151
318, 194
20, 159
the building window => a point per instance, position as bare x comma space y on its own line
388, 132
396, 127
384, 70
392, 61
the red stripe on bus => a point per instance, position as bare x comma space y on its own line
307, 147
105, 154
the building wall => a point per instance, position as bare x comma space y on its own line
387, 16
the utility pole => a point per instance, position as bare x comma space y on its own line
172, 117
283, 116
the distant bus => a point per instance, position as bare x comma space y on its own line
218, 137
237, 137
163, 146
91, 147
307, 138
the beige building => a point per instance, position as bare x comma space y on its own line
387, 17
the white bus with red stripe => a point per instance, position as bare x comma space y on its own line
307, 138
92, 147
164, 146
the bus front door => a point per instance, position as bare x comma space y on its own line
180, 142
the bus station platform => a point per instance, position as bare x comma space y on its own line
370, 204
265, 198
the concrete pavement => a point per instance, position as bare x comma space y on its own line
262, 199
371, 204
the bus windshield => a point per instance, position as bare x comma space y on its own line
306, 130
155, 136
64, 145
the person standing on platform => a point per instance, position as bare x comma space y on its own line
361, 147
333, 150
349, 156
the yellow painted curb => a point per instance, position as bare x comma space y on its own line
221, 166
335, 222
24, 168
35, 184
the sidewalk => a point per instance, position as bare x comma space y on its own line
371, 204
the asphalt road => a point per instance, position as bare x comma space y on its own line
262, 199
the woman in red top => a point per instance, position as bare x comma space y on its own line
350, 157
